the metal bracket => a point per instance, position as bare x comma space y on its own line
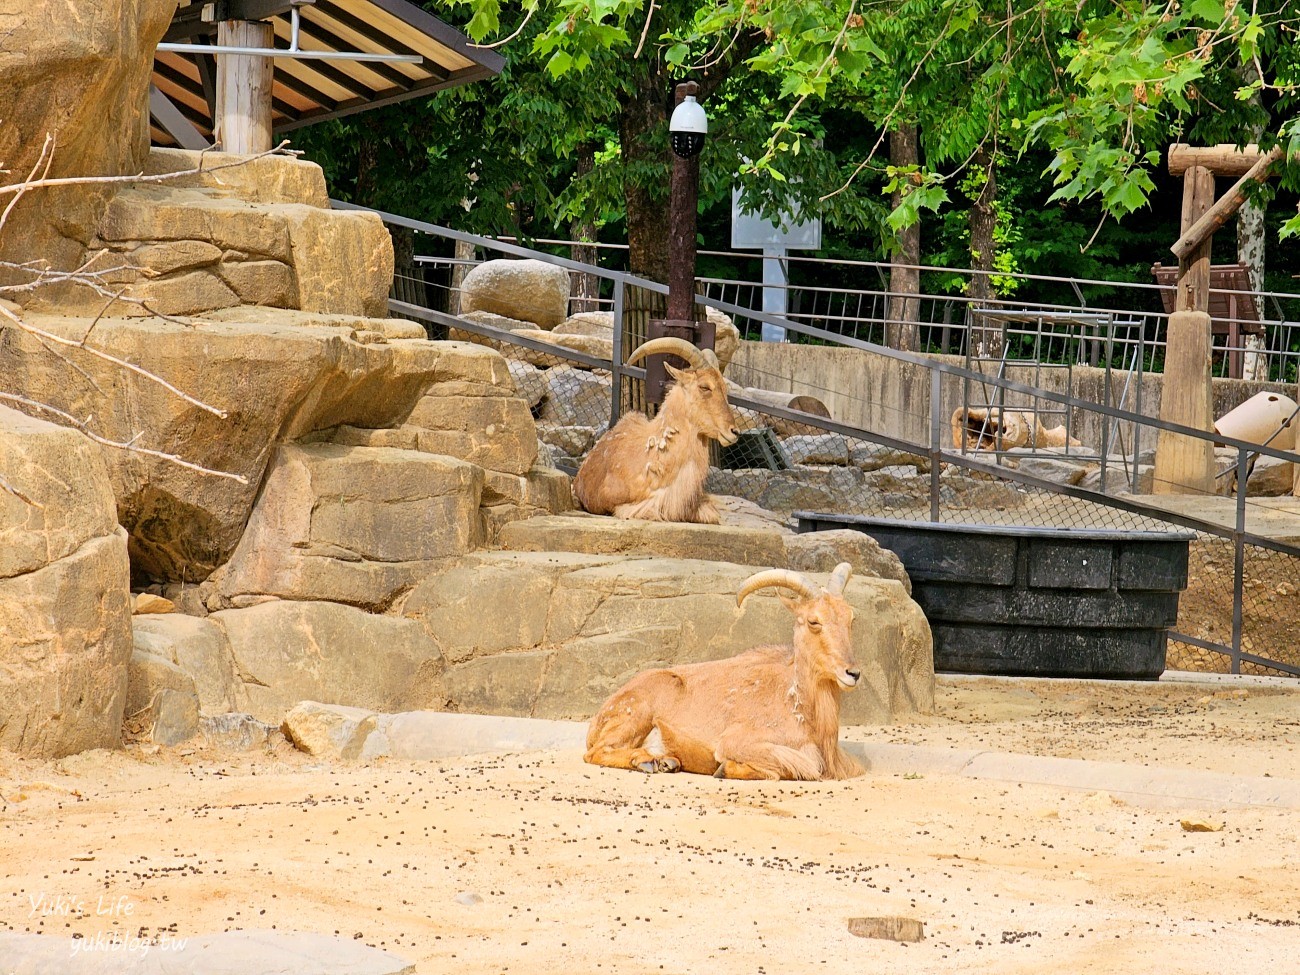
213, 11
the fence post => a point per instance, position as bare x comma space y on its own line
616, 356
936, 432
1239, 558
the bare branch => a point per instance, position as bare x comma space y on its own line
645, 31
506, 40
128, 445
109, 357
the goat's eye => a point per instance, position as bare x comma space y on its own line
814, 624
706, 390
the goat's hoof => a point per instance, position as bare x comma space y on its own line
665, 763
721, 771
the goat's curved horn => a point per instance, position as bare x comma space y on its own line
673, 346
776, 577
839, 579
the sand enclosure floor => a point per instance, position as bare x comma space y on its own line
537, 863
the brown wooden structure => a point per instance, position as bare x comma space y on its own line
186, 97
1232, 309
1184, 464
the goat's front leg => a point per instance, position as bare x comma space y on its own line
740, 757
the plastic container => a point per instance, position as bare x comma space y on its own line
1043, 602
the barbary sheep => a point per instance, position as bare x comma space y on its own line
772, 712
654, 470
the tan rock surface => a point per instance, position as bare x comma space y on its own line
353, 525
580, 625
289, 651
495, 432
65, 610
199, 648
268, 179
89, 92
276, 383
759, 545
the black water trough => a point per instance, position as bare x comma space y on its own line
1038, 602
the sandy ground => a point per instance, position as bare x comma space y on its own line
538, 863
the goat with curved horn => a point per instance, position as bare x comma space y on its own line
654, 470
772, 712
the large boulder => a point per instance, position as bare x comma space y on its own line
599, 325
65, 612
276, 383
581, 625
80, 75
352, 525
528, 290
287, 651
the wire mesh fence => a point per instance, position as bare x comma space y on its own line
948, 449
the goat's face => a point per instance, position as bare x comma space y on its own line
823, 632
706, 402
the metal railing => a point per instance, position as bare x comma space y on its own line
1239, 569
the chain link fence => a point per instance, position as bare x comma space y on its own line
819, 442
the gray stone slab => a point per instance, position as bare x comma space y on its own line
228, 953
422, 735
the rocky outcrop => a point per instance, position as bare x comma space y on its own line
65, 615
580, 625
208, 249
277, 383
84, 81
353, 525
286, 651
757, 545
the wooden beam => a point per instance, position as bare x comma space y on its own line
1185, 465
173, 121
1222, 160
244, 88
1217, 215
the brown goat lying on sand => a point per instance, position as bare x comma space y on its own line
769, 713
654, 470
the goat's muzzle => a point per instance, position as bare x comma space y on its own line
849, 678
728, 437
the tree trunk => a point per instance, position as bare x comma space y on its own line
586, 287
986, 341
901, 329
1250, 250
464, 260
408, 277
645, 111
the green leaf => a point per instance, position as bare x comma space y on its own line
1207, 10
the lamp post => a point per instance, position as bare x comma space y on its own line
687, 129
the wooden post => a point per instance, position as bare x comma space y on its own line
1185, 465
244, 87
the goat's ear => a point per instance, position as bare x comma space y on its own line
674, 372
791, 602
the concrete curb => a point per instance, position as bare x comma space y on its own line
426, 735
254, 952
1140, 785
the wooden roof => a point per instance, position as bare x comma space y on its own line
306, 91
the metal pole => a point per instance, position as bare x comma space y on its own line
616, 357
1239, 558
936, 431
680, 322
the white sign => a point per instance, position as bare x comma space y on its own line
749, 230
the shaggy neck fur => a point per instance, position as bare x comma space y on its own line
817, 700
